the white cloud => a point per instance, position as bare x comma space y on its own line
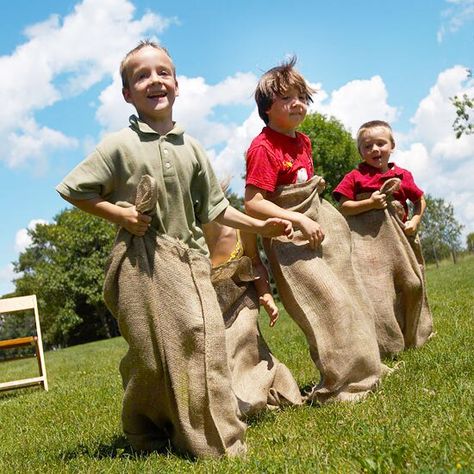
22, 239
195, 106
56, 63
455, 17
7, 274
445, 166
231, 160
357, 102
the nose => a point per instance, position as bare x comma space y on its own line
154, 78
297, 102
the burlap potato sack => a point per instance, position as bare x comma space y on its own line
391, 266
175, 374
259, 379
323, 294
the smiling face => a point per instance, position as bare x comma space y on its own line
287, 111
375, 146
152, 86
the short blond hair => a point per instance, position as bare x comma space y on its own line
275, 82
142, 44
371, 125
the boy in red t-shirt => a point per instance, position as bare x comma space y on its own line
314, 274
386, 250
280, 155
375, 143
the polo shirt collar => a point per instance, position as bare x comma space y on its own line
142, 127
280, 137
393, 170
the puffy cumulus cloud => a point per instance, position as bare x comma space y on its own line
32, 142
113, 111
230, 162
7, 274
195, 107
357, 102
60, 64
432, 122
446, 166
416, 159
22, 239
455, 17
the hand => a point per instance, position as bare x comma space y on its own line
311, 231
411, 227
271, 308
135, 222
378, 200
274, 227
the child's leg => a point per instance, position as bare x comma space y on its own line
176, 377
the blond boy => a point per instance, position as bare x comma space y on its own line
167, 398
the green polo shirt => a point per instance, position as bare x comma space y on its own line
188, 191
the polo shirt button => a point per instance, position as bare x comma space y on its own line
168, 165
165, 151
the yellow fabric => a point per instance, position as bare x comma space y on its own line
238, 251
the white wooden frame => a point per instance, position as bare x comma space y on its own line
21, 303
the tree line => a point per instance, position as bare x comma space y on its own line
64, 264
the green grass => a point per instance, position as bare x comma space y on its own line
420, 420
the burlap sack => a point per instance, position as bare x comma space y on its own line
259, 379
392, 269
323, 294
175, 374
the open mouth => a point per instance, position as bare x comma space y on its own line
156, 95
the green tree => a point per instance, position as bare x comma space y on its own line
64, 267
463, 124
440, 231
470, 242
334, 150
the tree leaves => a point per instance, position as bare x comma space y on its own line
64, 267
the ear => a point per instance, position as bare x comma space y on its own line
176, 88
126, 94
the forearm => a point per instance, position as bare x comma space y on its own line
352, 208
263, 209
238, 220
419, 209
262, 284
98, 207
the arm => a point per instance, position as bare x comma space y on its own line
127, 217
348, 207
273, 227
411, 226
257, 205
262, 284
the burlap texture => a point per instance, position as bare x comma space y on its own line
259, 379
322, 293
391, 266
175, 374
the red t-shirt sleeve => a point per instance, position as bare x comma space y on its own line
262, 169
345, 188
412, 191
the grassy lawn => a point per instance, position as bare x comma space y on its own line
420, 420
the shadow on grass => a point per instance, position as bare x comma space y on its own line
118, 448
19, 392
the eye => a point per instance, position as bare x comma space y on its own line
140, 75
164, 73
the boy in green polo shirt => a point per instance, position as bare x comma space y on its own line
187, 195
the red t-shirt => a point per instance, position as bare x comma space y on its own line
367, 179
274, 159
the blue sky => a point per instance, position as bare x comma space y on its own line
59, 89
